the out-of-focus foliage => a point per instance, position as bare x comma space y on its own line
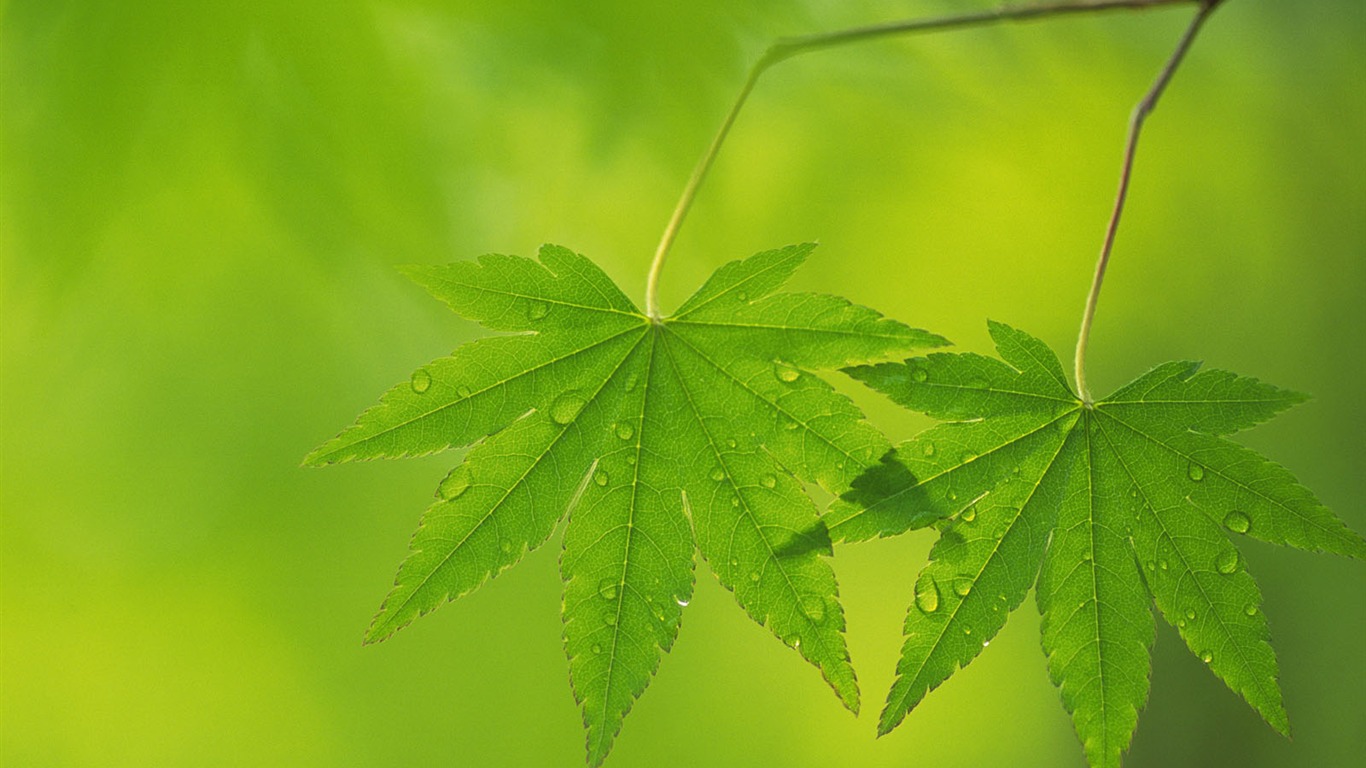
200, 208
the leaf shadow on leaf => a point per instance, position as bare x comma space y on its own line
814, 538
891, 486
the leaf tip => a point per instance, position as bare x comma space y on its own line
316, 458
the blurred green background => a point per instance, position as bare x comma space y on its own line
201, 205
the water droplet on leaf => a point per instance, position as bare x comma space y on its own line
454, 484
814, 608
926, 594
421, 380
1237, 522
785, 374
768, 481
919, 375
625, 430
1195, 472
607, 589
566, 408
1228, 561
537, 310
600, 477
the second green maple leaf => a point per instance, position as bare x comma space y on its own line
1112, 506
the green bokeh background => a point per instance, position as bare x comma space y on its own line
201, 205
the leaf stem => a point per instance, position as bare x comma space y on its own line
789, 47
1136, 120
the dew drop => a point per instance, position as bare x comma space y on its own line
624, 430
929, 449
794, 640
682, 602
785, 374
952, 496
610, 619
734, 562
632, 381
566, 407
454, 484
607, 589
731, 443
1152, 565
597, 648
656, 610
1250, 610
463, 391
1237, 522
962, 587
537, 310
970, 514
1228, 561
631, 459
718, 474
421, 381
600, 477
505, 545
977, 382
754, 576
1195, 472
735, 501
790, 425
814, 608
1162, 565
919, 375
768, 481
986, 643
966, 457
926, 594
1206, 656
742, 296
1190, 614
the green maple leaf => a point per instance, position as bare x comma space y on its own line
664, 437
1112, 506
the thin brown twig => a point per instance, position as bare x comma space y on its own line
1136, 120
790, 47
